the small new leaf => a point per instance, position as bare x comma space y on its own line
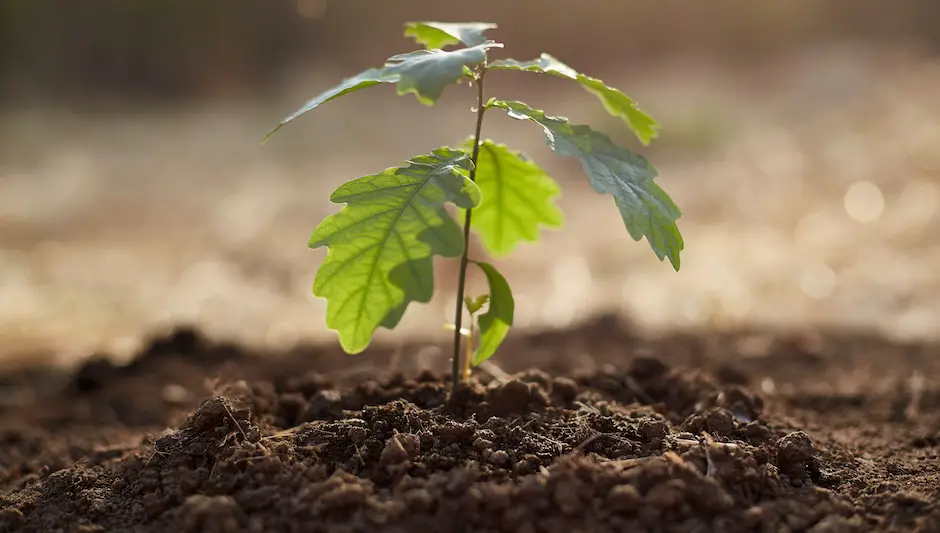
440, 34
645, 208
381, 243
475, 304
496, 321
426, 73
518, 198
615, 102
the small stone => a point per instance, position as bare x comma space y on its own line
653, 429
522, 467
394, 452
499, 458
357, 434
794, 454
380, 427
411, 443
756, 432
719, 422
481, 445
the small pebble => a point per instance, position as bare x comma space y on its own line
357, 434
393, 453
499, 458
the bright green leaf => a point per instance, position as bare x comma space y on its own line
645, 208
381, 242
475, 304
518, 197
441, 34
615, 102
426, 73
495, 322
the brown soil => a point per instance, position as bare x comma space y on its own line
596, 429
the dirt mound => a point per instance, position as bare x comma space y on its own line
644, 435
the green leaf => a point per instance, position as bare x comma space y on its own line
518, 197
441, 34
645, 208
426, 73
381, 243
495, 322
615, 102
475, 304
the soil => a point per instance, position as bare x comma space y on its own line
596, 428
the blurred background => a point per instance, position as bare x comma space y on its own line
800, 137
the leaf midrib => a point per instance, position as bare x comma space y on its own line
384, 241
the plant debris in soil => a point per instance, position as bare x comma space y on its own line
742, 431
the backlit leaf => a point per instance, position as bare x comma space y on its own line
475, 304
496, 321
440, 34
518, 198
615, 102
381, 243
645, 208
426, 73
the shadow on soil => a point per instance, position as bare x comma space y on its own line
591, 429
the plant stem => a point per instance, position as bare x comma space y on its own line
469, 355
464, 259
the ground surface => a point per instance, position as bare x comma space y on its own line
723, 432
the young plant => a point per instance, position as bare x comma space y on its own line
381, 244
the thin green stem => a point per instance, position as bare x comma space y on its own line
464, 259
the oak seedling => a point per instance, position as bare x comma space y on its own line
382, 242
